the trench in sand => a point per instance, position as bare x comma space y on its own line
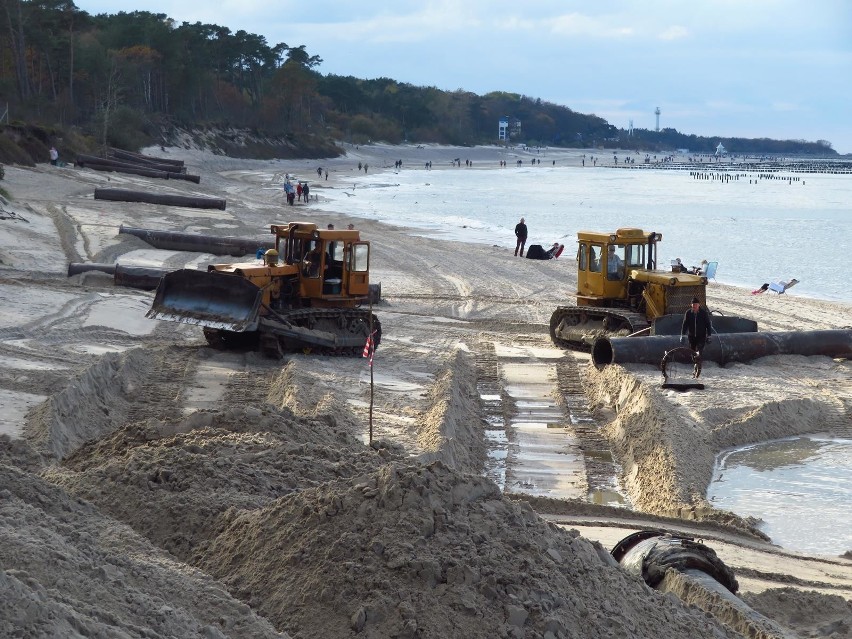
538, 425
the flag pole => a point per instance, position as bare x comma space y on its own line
372, 348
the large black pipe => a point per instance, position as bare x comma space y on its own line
151, 173
139, 157
124, 195
141, 277
176, 241
75, 268
87, 160
726, 347
692, 571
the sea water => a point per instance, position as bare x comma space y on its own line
800, 488
796, 225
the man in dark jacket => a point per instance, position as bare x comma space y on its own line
521, 234
696, 322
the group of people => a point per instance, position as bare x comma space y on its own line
521, 233
300, 191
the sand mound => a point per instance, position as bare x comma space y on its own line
171, 481
392, 553
68, 571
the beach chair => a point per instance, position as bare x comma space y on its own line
710, 272
781, 287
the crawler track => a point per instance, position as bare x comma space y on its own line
576, 327
351, 325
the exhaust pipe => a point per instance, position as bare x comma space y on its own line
726, 347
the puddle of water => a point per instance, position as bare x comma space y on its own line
122, 314
801, 488
15, 406
604, 497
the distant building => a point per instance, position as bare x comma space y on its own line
508, 128
720, 150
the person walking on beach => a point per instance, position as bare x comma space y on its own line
54, 156
521, 234
697, 324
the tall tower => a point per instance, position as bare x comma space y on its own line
657, 113
630, 128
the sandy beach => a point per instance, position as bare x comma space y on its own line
155, 487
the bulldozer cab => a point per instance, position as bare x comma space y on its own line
605, 262
332, 265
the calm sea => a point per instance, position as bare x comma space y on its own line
797, 225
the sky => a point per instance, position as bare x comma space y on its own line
777, 69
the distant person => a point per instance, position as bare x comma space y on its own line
54, 156
306, 192
330, 227
299, 192
350, 227
521, 235
696, 324
554, 251
326, 174
678, 267
700, 269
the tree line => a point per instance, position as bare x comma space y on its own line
124, 78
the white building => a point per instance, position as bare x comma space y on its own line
720, 150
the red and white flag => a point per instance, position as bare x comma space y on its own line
369, 348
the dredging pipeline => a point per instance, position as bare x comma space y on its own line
725, 347
140, 277
693, 572
124, 195
176, 241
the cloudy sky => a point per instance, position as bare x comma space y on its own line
747, 68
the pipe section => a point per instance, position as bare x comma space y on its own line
725, 347
75, 268
141, 277
177, 241
124, 195
693, 572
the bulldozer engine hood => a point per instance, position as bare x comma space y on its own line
667, 279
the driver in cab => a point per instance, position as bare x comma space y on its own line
312, 262
614, 264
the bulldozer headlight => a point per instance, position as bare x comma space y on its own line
613, 238
658, 237
673, 281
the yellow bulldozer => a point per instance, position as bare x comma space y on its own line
305, 293
621, 292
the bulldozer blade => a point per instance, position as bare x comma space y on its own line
207, 298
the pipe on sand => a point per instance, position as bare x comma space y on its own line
725, 347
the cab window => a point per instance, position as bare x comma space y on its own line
360, 258
595, 251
